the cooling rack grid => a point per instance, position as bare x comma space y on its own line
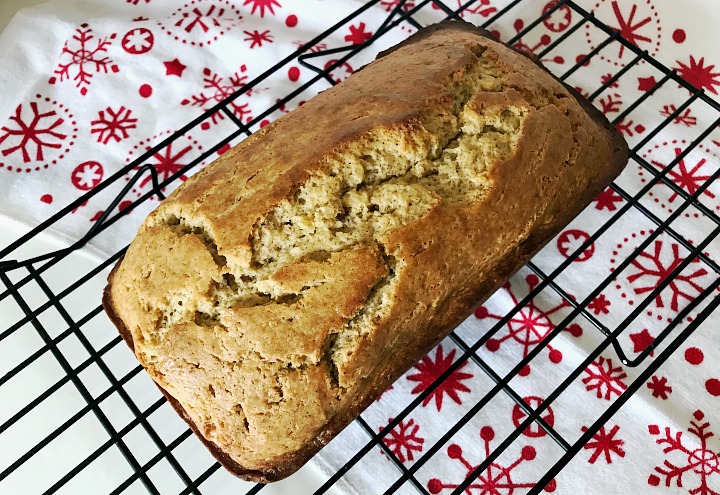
77, 348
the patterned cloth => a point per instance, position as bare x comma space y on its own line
86, 89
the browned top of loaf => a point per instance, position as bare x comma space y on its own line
279, 289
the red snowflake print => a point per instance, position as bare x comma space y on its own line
604, 378
391, 4
611, 103
404, 441
496, 479
560, 19
688, 457
138, 41
481, 8
168, 161
659, 387
113, 124
262, 6
87, 175
382, 394
685, 118
529, 326
534, 430
570, 241
201, 22
637, 23
217, 88
41, 130
525, 46
652, 267
600, 305
629, 128
604, 443
698, 74
606, 200
358, 34
256, 38
287, 107
135, 2
429, 370
340, 73
605, 78
581, 91
82, 56
642, 340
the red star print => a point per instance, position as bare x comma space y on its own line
627, 29
659, 386
174, 68
606, 200
263, 5
699, 75
430, 370
604, 442
600, 305
646, 83
642, 340
358, 34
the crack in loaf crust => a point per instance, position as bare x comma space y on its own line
269, 296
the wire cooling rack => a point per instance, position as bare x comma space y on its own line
57, 319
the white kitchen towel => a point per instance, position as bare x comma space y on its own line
89, 86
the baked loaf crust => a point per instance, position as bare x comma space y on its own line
281, 289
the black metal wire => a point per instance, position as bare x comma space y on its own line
36, 266
82, 389
108, 374
634, 386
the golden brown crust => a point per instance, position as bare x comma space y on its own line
423, 264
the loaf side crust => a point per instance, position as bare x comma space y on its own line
452, 313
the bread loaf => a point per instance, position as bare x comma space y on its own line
281, 289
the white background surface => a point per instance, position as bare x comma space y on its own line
581, 476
